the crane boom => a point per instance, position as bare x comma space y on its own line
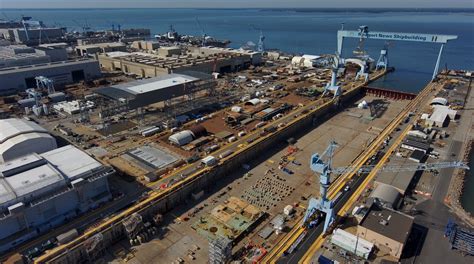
322, 165
404, 167
203, 33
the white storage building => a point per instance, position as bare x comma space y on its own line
439, 101
41, 191
181, 138
440, 116
19, 137
352, 243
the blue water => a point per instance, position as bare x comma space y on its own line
298, 31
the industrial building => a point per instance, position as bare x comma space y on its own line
19, 137
386, 228
148, 91
169, 51
439, 101
56, 52
352, 243
415, 145
396, 179
146, 45
35, 35
41, 191
21, 55
91, 49
255, 56
441, 116
63, 72
181, 138
385, 195
149, 65
306, 61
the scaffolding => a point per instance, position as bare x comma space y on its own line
220, 250
94, 246
45, 83
133, 225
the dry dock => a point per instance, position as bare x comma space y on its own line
163, 201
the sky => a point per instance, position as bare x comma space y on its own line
235, 3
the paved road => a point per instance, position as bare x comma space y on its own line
431, 245
315, 232
429, 241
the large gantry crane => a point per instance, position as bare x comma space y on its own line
322, 164
363, 33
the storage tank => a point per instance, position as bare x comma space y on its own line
225, 154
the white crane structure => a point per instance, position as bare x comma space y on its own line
322, 164
364, 33
382, 62
45, 83
363, 72
332, 87
261, 39
203, 33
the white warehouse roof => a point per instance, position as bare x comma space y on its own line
26, 178
153, 84
72, 162
386, 194
440, 114
13, 127
439, 101
181, 138
352, 243
19, 137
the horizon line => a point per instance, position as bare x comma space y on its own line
271, 8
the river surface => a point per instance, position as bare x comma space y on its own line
307, 31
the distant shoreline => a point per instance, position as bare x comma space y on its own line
302, 10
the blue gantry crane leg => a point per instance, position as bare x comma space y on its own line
322, 164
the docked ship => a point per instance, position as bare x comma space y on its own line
173, 36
